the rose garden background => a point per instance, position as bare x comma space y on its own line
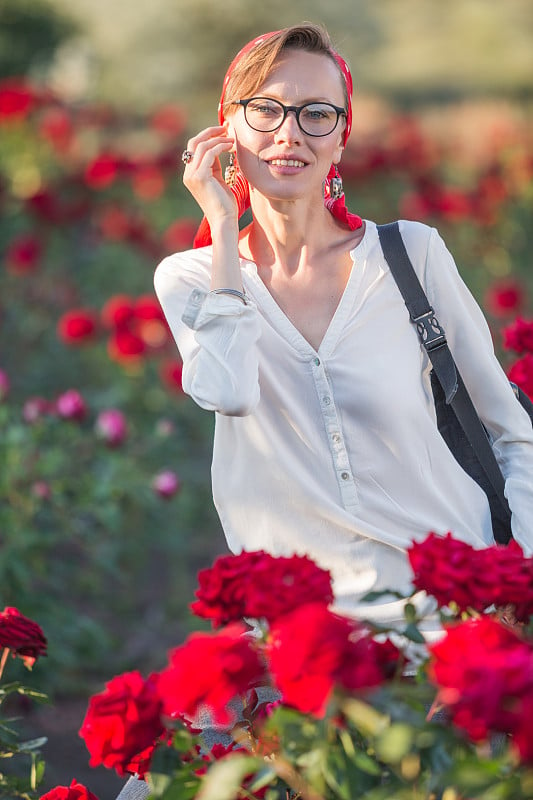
105, 511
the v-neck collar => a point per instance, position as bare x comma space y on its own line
283, 324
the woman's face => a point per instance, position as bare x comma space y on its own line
297, 78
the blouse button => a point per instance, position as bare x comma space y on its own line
345, 475
326, 400
316, 362
336, 438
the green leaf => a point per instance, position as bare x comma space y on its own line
225, 777
32, 744
394, 743
412, 633
366, 719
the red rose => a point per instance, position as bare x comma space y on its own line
147, 307
484, 674
180, 235
312, 650
446, 568
119, 311
21, 635
148, 182
210, 670
125, 346
24, 254
76, 791
171, 373
102, 171
521, 373
453, 571
17, 99
56, 127
122, 721
71, 405
504, 298
77, 325
519, 336
259, 585
114, 223
168, 120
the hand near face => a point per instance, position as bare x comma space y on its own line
203, 175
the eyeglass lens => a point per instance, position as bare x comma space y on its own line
316, 119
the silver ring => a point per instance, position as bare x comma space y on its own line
186, 156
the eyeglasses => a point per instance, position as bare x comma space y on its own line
314, 119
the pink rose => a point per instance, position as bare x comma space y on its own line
111, 426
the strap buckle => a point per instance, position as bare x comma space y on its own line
429, 330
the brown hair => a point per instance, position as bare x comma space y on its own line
252, 69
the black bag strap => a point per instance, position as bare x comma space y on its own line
433, 339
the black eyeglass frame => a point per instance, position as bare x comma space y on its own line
297, 111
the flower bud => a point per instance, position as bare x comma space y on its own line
166, 484
71, 405
111, 426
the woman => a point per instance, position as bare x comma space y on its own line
294, 332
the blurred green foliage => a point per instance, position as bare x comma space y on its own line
30, 33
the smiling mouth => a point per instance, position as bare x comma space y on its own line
286, 162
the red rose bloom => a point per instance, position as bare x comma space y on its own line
180, 235
119, 311
171, 373
312, 650
17, 99
504, 298
102, 171
453, 571
21, 635
484, 674
208, 671
519, 336
148, 182
258, 585
76, 791
56, 127
122, 721
24, 254
521, 373
77, 326
125, 346
168, 120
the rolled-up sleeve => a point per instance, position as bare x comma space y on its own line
471, 343
216, 335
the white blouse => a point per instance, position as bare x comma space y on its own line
335, 452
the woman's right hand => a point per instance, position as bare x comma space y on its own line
203, 175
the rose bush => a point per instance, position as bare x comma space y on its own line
318, 706
22, 638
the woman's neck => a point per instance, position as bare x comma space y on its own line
287, 234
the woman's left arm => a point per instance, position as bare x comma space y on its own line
470, 341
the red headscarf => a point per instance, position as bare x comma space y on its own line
241, 189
